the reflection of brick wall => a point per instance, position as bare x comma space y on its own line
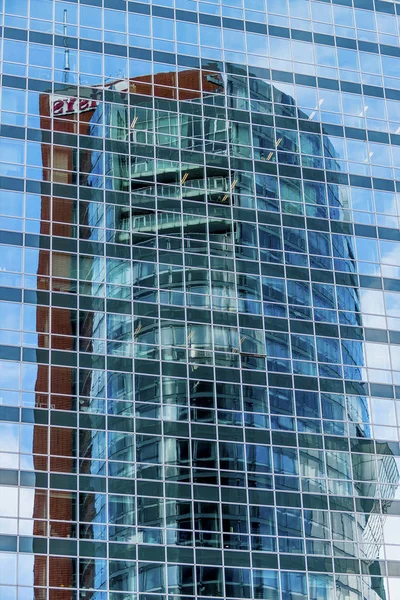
61, 595
185, 85
57, 216
62, 573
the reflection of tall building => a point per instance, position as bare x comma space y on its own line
211, 192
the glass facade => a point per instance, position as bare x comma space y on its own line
199, 309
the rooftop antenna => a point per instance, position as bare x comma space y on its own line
66, 52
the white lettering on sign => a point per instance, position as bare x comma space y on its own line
69, 105
64, 105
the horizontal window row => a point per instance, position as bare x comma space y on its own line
91, 16
155, 130
335, 495
115, 18
178, 478
93, 386
183, 540
328, 103
175, 301
301, 72
179, 542
127, 576
323, 532
216, 184
98, 222
269, 47
254, 372
382, 412
177, 418
178, 481
286, 479
359, 152
119, 386
149, 390
228, 237
252, 355
255, 40
198, 454
265, 490
178, 514
311, 107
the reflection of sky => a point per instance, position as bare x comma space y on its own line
382, 258
11, 315
9, 439
8, 575
383, 412
375, 306
16, 438
392, 302
8, 570
9, 375
29, 376
31, 260
9, 501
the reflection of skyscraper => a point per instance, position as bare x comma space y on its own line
202, 410
136, 223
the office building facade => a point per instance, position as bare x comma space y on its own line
200, 300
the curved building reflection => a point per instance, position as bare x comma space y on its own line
196, 218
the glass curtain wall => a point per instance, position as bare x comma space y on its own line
199, 320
